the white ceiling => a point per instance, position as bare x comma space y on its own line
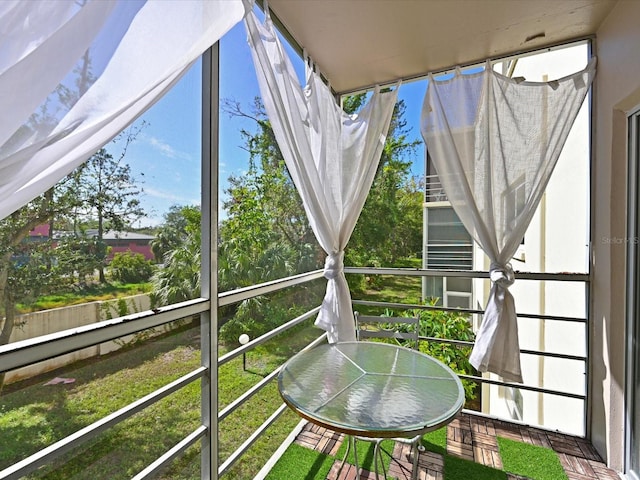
360, 43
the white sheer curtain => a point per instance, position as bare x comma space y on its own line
332, 158
75, 74
494, 142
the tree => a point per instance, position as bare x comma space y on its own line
179, 279
130, 267
266, 234
390, 225
108, 190
172, 232
266, 191
26, 267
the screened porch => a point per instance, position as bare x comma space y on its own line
186, 421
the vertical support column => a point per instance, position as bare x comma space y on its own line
632, 347
209, 259
425, 224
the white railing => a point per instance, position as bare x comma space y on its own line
26, 352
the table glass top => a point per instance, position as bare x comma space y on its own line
371, 388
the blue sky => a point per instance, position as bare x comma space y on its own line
166, 155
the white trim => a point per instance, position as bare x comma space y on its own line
631, 399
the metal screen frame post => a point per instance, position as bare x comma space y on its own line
209, 265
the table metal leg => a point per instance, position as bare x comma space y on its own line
377, 458
415, 450
349, 439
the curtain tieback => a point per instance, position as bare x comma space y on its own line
502, 274
334, 265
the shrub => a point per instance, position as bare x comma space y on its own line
129, 267
451, 325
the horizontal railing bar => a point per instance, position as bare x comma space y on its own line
267, 336
466, 343
260, 385
233, 458
171, 454
522, 386
240, 294
418, 272
462, 310
229, 409
63, 446
25, 352
562, 356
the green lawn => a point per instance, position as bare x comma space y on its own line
526, 461
90, 293
35, 415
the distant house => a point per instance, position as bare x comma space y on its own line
118, 241
41, 232
126, 242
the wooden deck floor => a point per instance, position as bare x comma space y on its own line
473, 438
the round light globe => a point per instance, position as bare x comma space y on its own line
243, 339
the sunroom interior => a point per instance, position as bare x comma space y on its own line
356, 46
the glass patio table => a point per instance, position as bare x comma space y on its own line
371, 389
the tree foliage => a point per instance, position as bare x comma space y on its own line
108, 191
29, 268
266, 234
26, 267
129, 267
172, 232
179, 278
448, 325
390, 225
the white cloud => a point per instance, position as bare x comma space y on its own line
152, 192
165, 149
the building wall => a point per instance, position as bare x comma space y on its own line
133, 247
617, 91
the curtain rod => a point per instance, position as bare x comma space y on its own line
442, 71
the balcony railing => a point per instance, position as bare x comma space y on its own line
27, 352
434, 191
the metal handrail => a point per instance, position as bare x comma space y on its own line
33, 462
23, 353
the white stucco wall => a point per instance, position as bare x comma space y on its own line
617, 91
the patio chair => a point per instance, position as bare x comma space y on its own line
400, 328
405, 330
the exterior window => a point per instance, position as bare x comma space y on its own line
513, 203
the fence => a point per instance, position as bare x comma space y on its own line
32, 325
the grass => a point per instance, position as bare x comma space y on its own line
436, 441
459, 469
396, 289
91, 293
314, 465
34, 415
38, 415
530, 461
365, 454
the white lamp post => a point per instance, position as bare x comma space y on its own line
244, 339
